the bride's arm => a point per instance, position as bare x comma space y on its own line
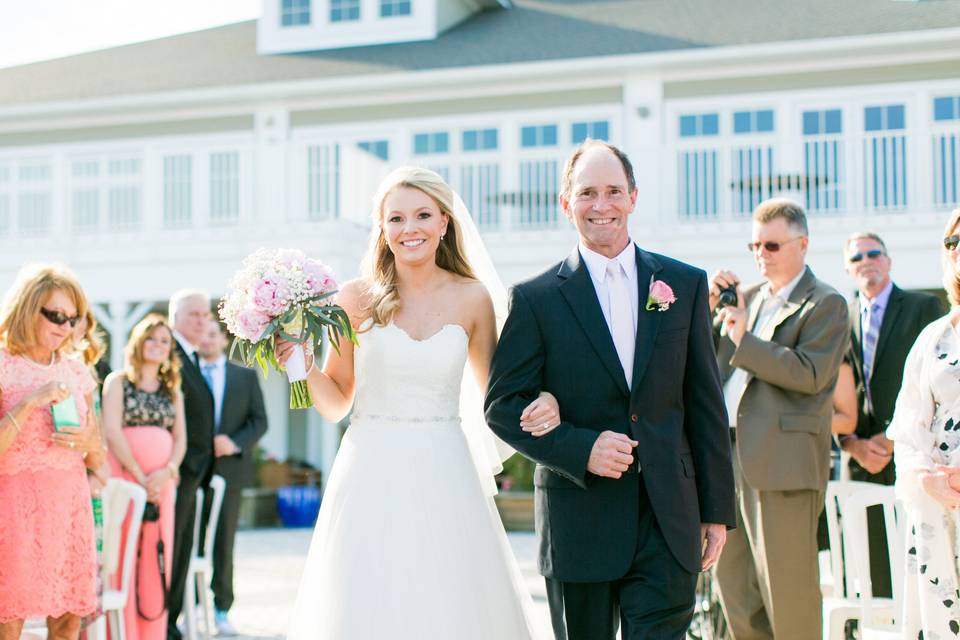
332, 387
540, 416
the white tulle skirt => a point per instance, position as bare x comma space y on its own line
407, 546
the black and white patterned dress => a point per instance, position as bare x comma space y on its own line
926, 432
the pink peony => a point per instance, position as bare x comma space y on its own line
268, 298
251, 323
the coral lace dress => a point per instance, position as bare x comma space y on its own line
47, 554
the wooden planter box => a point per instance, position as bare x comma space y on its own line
273, 475
516, 510
258, 508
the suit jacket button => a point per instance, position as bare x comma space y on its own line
634, 418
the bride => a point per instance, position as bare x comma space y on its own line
408, 543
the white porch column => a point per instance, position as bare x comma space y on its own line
272, 132
117, 319
643, 142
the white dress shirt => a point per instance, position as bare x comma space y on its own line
771, 303
596, 264
597, 267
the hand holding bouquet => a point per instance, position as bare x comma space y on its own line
282, 292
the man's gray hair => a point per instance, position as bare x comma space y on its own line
774, 208
863, 235
181, 296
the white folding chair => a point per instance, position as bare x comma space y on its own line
879, 617
840, 602
201, 566
120, 498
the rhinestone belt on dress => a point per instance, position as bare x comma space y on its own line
375, 416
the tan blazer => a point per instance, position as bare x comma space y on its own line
783, 420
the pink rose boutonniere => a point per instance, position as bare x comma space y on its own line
660, 296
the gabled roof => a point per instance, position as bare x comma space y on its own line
532, 30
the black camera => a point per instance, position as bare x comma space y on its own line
728, 297
151, 512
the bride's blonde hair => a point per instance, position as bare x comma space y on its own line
379, 264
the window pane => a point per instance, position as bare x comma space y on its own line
550, 135
469, 140
811, 123
688, 126
710, 124
420, 143
389, 8
872, 119
490, 139
578, 132
601, 130
528, 137
895, 117
441, 143
741, 122
833, 121
944, 108
343, 10
765, 120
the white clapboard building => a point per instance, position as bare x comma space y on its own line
159, 165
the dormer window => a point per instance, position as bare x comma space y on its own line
391, 8
344, 10
294, 13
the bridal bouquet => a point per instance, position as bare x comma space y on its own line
282, 292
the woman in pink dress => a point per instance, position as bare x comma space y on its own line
47, 559
143, 421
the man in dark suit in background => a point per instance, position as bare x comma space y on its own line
885, 321
637, 383
189, 315
239, 422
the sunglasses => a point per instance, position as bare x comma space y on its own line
873, 254
59, 318
951, 242
772, 247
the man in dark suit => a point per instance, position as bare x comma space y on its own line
239, 421
634, 488
189, 313
885, 321
779, 349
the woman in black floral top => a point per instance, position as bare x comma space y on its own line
144, 423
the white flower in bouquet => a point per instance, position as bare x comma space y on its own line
283, 292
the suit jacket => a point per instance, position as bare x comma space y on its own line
556, 339
784, 415
244, 420
198, 409
906, 315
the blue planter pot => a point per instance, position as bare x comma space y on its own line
298, 506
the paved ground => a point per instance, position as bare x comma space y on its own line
269, 562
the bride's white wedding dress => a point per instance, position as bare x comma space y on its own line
407, 545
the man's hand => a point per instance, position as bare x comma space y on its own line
869, 454
224, 446
882, 440
712, 539
734, 319
720, 280
611, 455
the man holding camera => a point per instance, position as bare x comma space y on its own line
779, 347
